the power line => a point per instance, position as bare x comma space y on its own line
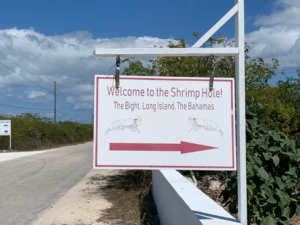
63, 113
34, 82
23, 62
11, 106
66, 117
31, 74
38, 85
23, 68
60, 117
61, 90
27, 70
25, 77
65, 100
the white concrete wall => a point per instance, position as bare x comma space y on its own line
179, 202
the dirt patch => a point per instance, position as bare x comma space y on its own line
204, 185
83, 204
295, 220
131, 196
106, 197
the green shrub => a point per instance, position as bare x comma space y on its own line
272, 175
33, 131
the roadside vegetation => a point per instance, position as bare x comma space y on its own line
273, 128
273, 181
35, 132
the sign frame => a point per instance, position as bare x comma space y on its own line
238, 11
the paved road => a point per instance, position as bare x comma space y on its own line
31, 185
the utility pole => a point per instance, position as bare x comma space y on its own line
54, 102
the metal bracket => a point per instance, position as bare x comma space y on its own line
212, 74
117, 77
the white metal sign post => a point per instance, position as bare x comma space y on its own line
163, 123
196, 50
5, 129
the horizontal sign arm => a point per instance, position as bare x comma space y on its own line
158, 52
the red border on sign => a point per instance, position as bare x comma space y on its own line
163, 166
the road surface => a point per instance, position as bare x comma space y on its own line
31, 185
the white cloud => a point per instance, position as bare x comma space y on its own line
70, 99
34, 94
86, 98
67, 59
41, 96
287, 14
279, 37
83, 106
84, 88
277, 42
49, 115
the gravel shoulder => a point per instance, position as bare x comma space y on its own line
83, 204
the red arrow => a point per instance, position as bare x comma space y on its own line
183, 147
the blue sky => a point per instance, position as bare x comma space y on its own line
54, 40
109, 19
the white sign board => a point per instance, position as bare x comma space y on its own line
161, 123
5, 127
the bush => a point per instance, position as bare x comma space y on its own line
33, 131
272, 175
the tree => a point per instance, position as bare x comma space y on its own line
280, 109
258, 72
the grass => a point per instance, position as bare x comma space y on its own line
33, 131
131, 196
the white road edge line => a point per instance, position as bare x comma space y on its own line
15, 155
